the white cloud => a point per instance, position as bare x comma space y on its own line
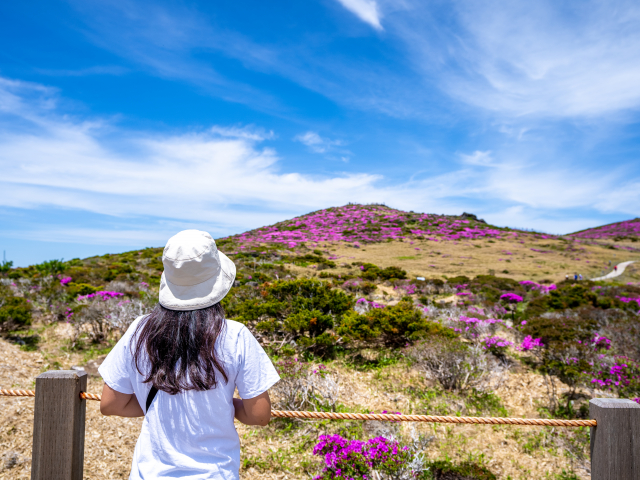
223, 181
219, 177
317, 143
365, 10
478, 158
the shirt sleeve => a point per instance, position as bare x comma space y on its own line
116, 370
256, 373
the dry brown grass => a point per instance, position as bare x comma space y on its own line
480, 257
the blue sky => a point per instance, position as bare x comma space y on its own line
123, 122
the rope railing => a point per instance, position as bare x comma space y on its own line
17, 393
384, 417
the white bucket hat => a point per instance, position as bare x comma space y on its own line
196, 275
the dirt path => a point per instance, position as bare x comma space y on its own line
615, 273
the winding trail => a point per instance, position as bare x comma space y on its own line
614, 273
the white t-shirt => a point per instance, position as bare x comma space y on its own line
192, 434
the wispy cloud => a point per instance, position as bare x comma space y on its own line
83, 72
220, 176
316, 143
179, 43
248, 132
366, 10
511, 58
169, 42
520, 58
478, 158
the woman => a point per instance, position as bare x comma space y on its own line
193, 358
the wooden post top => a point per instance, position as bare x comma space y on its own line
62, 374
614, 403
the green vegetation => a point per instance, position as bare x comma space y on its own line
14, 311
302, 310
393, 326
373, 272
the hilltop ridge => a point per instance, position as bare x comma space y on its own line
364, 224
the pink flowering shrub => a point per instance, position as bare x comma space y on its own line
629, 299
473, 328
103, 295
363, 305
511, 298
600, 342
496, 345
615, 373
376, 458
529, 343
536, 286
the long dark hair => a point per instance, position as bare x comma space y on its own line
180, 348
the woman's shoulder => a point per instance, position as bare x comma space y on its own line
234, 328
133, 327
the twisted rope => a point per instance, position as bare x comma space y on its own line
17, 393
385, 417
90, 396
435, 419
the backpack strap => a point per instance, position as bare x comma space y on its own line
151, 396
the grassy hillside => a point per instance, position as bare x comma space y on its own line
363, 308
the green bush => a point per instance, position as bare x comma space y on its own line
393, 326
464, 470
460, 279
75, 289
117, 269
370, 271
304, 310
308, 258
492, 287
83, 275
393, 273
559, 331
51, 267
156, 263
14, 311
373, 272
5, 266
570, 295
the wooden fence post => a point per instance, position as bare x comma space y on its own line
58, 426
615, 442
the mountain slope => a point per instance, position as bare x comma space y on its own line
627, 230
